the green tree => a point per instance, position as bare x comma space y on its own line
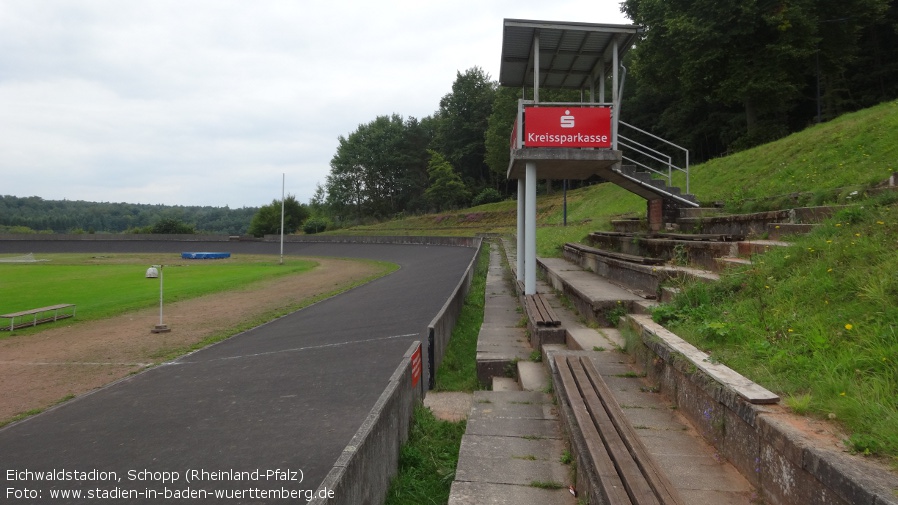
171, 225
497, 139
747, 71
748, 53
446, 189
267, 220
380, 168
462, 122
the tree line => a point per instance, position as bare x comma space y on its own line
722, 76
34, 214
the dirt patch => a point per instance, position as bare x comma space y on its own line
39, 370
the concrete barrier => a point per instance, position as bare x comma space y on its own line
326, 239
379, 239
363, 472
440, 329
785, 465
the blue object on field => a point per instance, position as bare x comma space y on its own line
205, 255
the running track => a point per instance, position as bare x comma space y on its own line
287, 395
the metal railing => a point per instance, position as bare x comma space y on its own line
646, 153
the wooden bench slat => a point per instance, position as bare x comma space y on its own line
608, 476
655, 478
631, 474
614, 440
540, 311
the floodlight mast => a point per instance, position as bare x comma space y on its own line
283, 183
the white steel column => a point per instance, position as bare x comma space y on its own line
614, 95
530, 230
536, 66
520, 252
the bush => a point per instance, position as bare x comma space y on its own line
315, 225
488, 195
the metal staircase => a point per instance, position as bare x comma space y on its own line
648, 157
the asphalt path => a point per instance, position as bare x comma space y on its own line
285, 396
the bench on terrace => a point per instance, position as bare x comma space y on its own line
625, 472
539, 311
37, 316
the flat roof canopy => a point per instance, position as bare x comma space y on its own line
569, 52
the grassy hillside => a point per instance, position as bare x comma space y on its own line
852, 152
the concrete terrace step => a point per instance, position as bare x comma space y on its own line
511, 452
756, 224
505, 384
533, 376
642, 280
700, 251
591, 294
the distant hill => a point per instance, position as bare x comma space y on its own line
34, 214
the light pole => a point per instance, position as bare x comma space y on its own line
153, 272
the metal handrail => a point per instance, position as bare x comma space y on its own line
669, 163
623, 141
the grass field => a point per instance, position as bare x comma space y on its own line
107, 285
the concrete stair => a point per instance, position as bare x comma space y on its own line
512, 452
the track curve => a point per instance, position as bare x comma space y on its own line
287, 395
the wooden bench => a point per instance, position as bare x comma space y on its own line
625, 472
540, 312
34, 317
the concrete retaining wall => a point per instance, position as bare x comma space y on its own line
784, 464
440, 329
363, 472
379, 239
327, 239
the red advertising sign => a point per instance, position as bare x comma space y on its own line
567, 127
416, 366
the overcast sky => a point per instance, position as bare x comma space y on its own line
209, 102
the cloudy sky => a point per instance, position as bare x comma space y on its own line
209, 102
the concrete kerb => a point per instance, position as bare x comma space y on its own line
783, 463
363, 472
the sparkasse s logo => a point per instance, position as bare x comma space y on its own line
567, 120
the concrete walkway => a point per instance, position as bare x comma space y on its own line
513, 449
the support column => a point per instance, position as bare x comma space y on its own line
520, 256
530, 230
615, 96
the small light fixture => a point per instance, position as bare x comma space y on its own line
153, 272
